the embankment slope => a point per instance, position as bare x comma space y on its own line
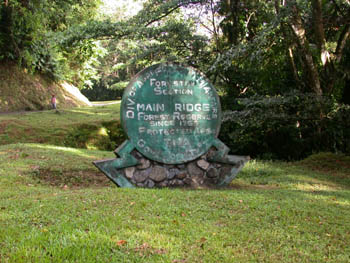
21, 91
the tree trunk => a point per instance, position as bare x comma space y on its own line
299, 32
289, 52
319, 30
344, 37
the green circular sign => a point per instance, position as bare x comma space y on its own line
171, 113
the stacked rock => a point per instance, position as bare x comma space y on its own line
195, 174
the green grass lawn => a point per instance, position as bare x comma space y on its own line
55, 206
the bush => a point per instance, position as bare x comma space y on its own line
288, 127
101, 91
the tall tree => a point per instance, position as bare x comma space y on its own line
320, 33
314, 35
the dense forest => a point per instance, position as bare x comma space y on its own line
282, 68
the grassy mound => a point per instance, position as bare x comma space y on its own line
20, 91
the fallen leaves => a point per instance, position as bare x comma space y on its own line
120, 243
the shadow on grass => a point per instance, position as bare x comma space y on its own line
70, 178
53, 165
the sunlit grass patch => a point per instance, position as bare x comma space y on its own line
58, 149
89, 127
302, 175
74, 115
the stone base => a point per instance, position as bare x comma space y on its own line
199, 173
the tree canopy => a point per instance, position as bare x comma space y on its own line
307, 41
248, 48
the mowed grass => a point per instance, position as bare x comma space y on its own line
57, 128
56, 207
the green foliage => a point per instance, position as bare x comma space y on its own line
42, 57
83, 60
102, 91
171, 39
263, 53
26, 37
256, 39
287, 127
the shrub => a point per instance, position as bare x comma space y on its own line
286, 127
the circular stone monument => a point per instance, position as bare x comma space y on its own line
171, 113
